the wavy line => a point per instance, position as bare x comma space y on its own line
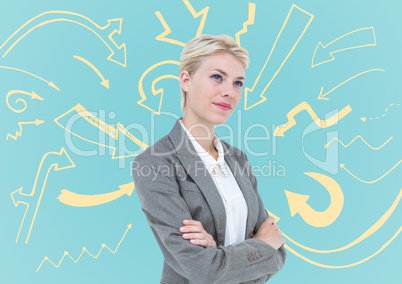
250, 21
18, 133
84, 250
354, 139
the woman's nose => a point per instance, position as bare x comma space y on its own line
227, 89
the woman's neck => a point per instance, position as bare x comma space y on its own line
204, 134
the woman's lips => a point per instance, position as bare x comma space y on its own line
223, 106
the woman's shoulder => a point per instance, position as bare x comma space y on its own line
161, 150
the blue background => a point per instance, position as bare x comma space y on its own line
48, 52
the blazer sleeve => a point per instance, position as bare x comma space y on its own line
263, 214
165, 209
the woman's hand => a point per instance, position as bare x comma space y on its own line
194, 231
270, 234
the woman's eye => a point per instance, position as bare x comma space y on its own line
217, 77
238, 84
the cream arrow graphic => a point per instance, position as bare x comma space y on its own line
86, 251
280, 130
62, 162
298, 203
374, 228
286, 34
380, 116
354, 139
323, 96
364, 37
330, 266
116, 133
113, 27
33, 95
104, 82
166, 67
250, 21
370, 181
49, 83
18, 133
82, 200
162, 37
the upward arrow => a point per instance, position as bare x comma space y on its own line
34, 198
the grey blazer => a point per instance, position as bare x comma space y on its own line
173, 184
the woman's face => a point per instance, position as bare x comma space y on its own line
213, 90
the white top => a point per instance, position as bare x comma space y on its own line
232, 196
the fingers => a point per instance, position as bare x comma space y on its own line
191, 229
195, 233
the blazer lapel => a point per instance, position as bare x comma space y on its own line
195, 167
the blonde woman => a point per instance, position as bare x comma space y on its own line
198, 193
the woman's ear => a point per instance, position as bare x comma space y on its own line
184, 80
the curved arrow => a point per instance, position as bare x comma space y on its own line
384, 114
33, 95
104, 82
18, 133
374, 228
343, 41
160, 65
371, 181
280, 130
63, 162
323, 96
82, 200
49, 83
345, 265
54, 16
298, 203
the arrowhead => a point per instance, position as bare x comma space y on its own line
18, 191
326, 146
296, 202
321, 56
279, 131
127, 188
251, 100
35, 96
152, 103
105, 83
363, 119
342, 165
38, 121
129, 226
51, 84
65, 161
321, 96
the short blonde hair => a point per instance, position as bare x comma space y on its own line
203, 46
